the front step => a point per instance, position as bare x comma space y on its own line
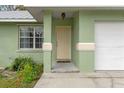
66, 71
65, 68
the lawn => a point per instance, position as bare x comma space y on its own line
22, 73
13, 82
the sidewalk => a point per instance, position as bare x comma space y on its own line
79, 80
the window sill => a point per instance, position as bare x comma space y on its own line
29, 51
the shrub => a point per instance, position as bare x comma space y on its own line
30, 72
27, 70
26, 74
19, 63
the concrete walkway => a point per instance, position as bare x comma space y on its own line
81, 80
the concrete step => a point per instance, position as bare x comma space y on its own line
65, 68
65, 71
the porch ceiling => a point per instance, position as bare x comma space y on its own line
37, 12
57, 14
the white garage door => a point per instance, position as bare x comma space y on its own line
109, 37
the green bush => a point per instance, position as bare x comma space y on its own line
27, 70
20, 62
30, 72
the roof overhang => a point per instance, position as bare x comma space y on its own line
17, 20
81, 7
37, 12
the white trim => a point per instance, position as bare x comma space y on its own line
47, 46
34, 38
29, 50
85, 46
30, 24
34, 47
18, 20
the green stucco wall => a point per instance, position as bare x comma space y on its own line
9, 45
82, 32
75, 39
47, 55
87, 34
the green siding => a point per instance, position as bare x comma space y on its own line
9, 45
82, 32
47, 55
47, 61
75, 39
87, 35
86, 61
47, 26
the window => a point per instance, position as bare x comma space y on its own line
31, 37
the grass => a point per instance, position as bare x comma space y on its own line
13, 82
23, 73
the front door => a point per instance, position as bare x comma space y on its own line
63, 43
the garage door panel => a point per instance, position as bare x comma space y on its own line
109, 37
113, 40
109, 51
105, 65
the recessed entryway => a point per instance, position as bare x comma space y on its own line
63, 63
109, 39
63, 41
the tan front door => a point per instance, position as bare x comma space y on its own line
63, 43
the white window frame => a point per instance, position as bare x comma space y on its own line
34, 46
